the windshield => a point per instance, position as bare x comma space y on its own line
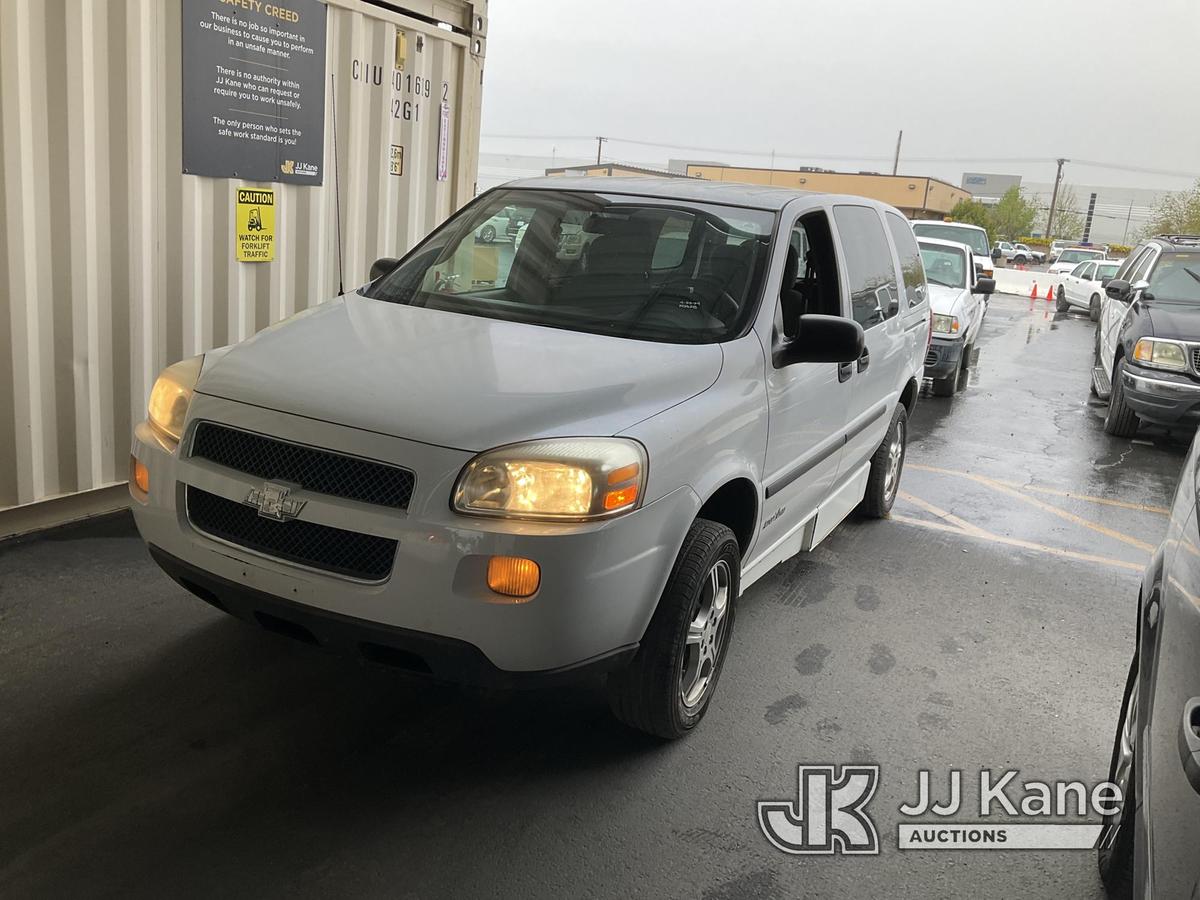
944, 265
1177, 278
975, 238
1077, 256
650, 269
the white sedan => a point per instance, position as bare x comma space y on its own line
1073, 256
1083, 287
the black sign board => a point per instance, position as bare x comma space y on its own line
254, 89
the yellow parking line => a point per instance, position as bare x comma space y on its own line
1045, 507
1024, 545
944, 515
1055, 492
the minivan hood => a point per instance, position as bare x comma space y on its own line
1176, 321
455, 380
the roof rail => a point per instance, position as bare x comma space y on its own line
1180, 238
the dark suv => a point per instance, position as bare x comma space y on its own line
1148, 338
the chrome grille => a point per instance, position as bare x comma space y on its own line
350, 553
320, 471
1196, 358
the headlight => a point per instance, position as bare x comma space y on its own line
945, 325
1160, 354
170, 398
563, 478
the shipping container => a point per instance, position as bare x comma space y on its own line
115, 263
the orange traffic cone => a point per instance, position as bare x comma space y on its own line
1033, 294
1050, 292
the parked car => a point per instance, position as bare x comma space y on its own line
1148, 847
1016, 253
960, 232
1083, 287
957, 311
1071, 257
561, 470
1057, 247
506, 223
1147, 362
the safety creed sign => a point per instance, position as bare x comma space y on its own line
255, 224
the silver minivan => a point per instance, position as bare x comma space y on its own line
513, 462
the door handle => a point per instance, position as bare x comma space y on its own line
1189, 742
845, 371
864, 360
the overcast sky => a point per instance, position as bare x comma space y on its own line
975, 86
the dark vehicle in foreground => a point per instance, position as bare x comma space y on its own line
1147, 359
1148, 849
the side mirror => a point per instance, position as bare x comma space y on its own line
822, 339
996, 253
382, 266
1118, 289
984, 286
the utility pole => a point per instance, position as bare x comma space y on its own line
896, 161
1054, 198
1128, 216
599, 146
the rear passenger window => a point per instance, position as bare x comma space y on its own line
912, 269
869, 266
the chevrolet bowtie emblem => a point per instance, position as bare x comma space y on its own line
273, 502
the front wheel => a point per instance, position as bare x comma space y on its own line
668, 686
887, 465
1094, 308
487, 233
1115, 847
1121, 420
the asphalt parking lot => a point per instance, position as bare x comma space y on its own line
151, 746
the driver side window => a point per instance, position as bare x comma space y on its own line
811, 284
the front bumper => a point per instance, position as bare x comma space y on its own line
600, 581
1162, 398
943, 357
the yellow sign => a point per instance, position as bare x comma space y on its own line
255, 224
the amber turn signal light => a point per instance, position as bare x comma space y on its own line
513, 576
139, 475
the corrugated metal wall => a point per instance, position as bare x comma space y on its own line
113, 263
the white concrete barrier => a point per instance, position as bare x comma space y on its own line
1016, 281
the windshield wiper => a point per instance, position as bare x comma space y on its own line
1190, 272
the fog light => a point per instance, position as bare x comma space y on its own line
139, 475
513, 576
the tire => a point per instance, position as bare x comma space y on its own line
945, 387
487, 233
1094, 308
1062, 304
1121, 420
1115, 847
1095, 362
889, 457
649, 693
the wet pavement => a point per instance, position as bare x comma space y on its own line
150, 746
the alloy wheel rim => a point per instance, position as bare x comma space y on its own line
705, 637
891, 479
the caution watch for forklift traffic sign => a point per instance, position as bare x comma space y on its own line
255, 224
